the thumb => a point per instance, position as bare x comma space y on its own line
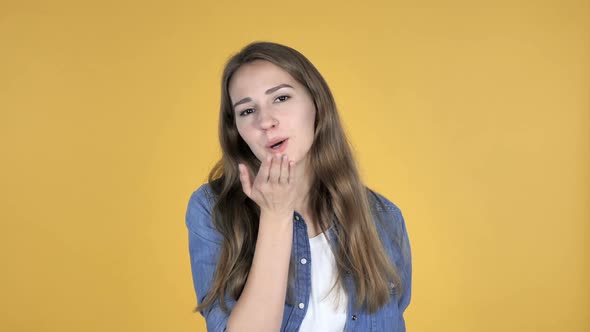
245, 180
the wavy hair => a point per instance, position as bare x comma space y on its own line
337, 198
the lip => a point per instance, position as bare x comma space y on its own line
280, 148
275, 141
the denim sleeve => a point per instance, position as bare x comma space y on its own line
406, 262
394, 225
204, 247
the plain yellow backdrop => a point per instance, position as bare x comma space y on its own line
473, 118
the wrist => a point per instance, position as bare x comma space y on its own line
275, 216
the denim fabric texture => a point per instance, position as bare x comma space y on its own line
205, 244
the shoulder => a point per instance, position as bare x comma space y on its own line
387, 215
202, 197
204, 192
199, 207
380, 203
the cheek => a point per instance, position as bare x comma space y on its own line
243, 131
247, 134
310, 121
307, 133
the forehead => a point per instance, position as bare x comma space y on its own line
256, 77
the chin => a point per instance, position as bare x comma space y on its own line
299, 159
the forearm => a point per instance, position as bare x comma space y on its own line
261, 304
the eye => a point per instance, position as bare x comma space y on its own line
282, 98
246, 111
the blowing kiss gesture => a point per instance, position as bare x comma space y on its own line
273, 189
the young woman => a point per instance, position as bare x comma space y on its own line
285, 236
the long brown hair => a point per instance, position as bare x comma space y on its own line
338, 197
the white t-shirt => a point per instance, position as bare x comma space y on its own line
326, 310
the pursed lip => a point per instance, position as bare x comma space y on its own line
275, 141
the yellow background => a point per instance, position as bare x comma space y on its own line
474, 119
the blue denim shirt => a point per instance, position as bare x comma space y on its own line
205, 244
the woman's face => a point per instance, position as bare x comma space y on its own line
274, 113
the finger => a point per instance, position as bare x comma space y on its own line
292, 171
264, 170
284, 177
245, 179
275, 169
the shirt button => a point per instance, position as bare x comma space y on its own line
303, 261
297, 217
301, 305
353, 317
391, 288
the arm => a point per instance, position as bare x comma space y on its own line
396, 235
406, 262
204, 247
261, 304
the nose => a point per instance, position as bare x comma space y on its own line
266, 119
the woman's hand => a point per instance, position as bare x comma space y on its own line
273, 189
260, 305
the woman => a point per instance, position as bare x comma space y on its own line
285, 236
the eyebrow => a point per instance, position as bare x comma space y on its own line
269, 91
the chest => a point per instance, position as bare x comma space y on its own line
305, 282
